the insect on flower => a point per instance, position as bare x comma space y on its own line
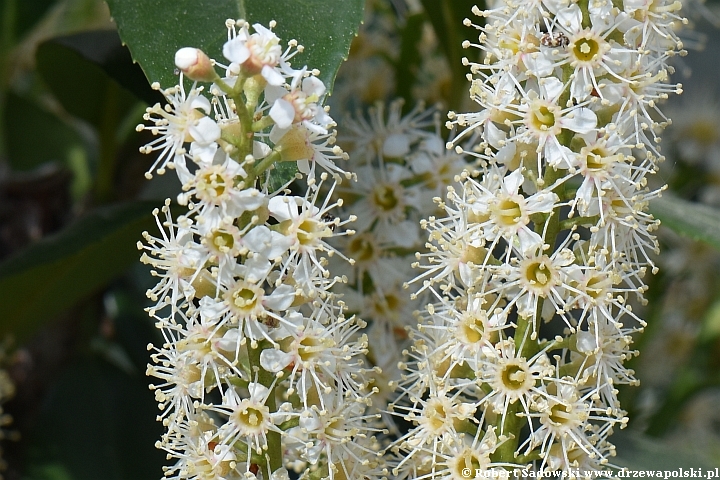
554, 39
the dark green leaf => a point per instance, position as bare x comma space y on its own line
154, 31
97, 423
79, 83
52, 275
20, 15
690, 219
447, 21
324, 27
281, 173
410, 58
25, 122
639, 452
104, 48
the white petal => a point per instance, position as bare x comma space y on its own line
304, 166
249, 199
580, 120
181, 169
273, 92
529, 240
280, 474
258, 239
494, 135
203, 154
200, 103
283, 113
506, 153
229, 341
274, 360
236, 51
541, 202
552, 87
310, 423
283, 208
313, 85
570, 18
396, 145
205, 132
272, 76
467, 274
559, 155
256, 268
281, 299
260, 150
512, 182
258, 392
186, 57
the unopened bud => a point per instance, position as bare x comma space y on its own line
195, 64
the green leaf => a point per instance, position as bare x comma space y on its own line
638, 452
694, 220
52, 275
18, 16
324, 27
79, 82
105, 49
155, 30
96, 423
409, 62
25, 122
447, 18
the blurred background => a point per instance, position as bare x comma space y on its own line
74, 200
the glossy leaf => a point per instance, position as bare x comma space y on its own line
71, 67
447, 18
21, 15
694, 220
154, 31
324, 27
639, 452
25, 122
409, 62
96, 423
52, 275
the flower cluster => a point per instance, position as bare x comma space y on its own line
260, 369
534, 262
401, 163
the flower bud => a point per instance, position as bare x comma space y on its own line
195, 64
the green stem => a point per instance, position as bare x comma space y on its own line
244, 142
267, 379
568, 223
511, 427
525, 346
262, 124
266, 163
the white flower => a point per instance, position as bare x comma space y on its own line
256, 53
183, 120
299, 105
